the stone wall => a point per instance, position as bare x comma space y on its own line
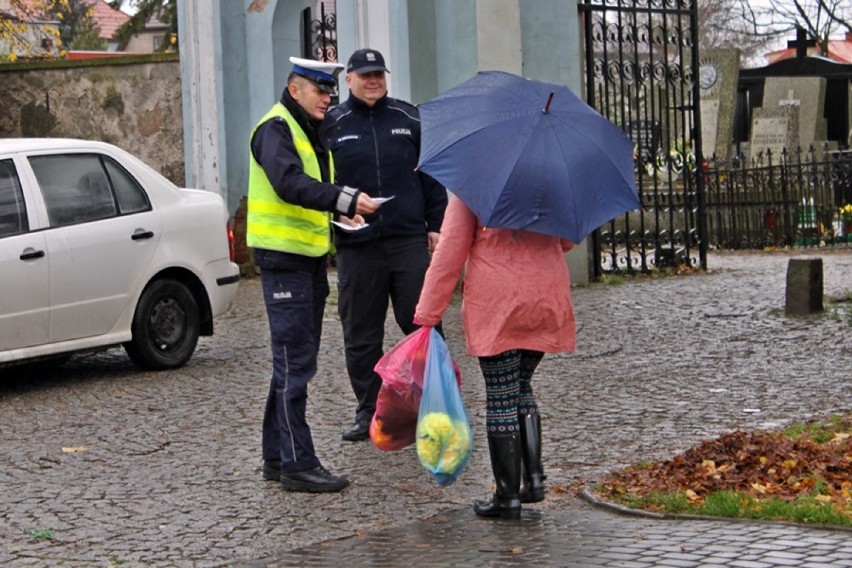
133, 102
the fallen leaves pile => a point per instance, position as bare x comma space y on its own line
758, 464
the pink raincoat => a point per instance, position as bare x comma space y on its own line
516, 292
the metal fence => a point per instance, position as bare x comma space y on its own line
788, 200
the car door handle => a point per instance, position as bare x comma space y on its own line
141, 235
31, 253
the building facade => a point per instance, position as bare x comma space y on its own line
235, 61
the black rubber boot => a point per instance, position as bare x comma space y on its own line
505, 453
532, 490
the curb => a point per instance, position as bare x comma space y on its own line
596, 501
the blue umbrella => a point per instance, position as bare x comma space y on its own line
523, 154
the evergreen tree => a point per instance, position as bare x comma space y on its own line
163, 10
88, 37
76, 17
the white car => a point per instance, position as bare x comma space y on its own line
97, 250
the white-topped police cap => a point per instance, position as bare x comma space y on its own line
322, 73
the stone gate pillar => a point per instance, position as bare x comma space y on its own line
198, 57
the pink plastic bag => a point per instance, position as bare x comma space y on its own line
401, 369
395, 422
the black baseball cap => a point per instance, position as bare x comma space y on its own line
365, 61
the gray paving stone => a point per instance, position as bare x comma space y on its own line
749, 564
170, 474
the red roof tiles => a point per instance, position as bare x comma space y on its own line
839, 50
108, 19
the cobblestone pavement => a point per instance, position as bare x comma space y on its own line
104, 465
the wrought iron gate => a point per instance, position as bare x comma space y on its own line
319, 36
641, 63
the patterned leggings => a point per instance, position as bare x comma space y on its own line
508, 388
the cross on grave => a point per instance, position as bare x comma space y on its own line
801, 43
789, 101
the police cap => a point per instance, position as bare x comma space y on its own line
321, 73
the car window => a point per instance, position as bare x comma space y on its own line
13, 213
131, 196
75, 188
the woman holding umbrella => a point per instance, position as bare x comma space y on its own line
516, 307
532, 168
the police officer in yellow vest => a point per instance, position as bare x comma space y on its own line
291, 199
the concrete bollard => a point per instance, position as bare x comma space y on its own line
804, 286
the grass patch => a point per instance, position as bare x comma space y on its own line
802, 474
620, 277
820, 431
44, 534
840, 310
612, 279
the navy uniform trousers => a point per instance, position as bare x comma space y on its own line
295, 302
369, 275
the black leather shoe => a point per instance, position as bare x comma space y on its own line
360, 431
271, 470
317, 480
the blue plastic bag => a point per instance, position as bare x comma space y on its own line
443, 438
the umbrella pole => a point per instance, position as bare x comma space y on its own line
546, 108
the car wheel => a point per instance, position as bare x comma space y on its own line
165, 326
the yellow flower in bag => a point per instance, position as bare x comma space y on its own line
442, 444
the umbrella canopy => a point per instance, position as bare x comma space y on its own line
524, 154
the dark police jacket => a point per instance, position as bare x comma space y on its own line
375, 150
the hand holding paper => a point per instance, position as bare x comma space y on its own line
350, 227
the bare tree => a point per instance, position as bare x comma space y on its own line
778, 18
720, 27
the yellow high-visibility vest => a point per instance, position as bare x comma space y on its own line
274, 224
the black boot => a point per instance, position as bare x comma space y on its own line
505, 453
533, 476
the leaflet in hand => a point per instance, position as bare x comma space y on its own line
350, 228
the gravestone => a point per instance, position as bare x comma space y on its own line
773, 130
647, 136
718, 74
807, 94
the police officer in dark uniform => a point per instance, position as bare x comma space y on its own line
290, 202
375, 140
